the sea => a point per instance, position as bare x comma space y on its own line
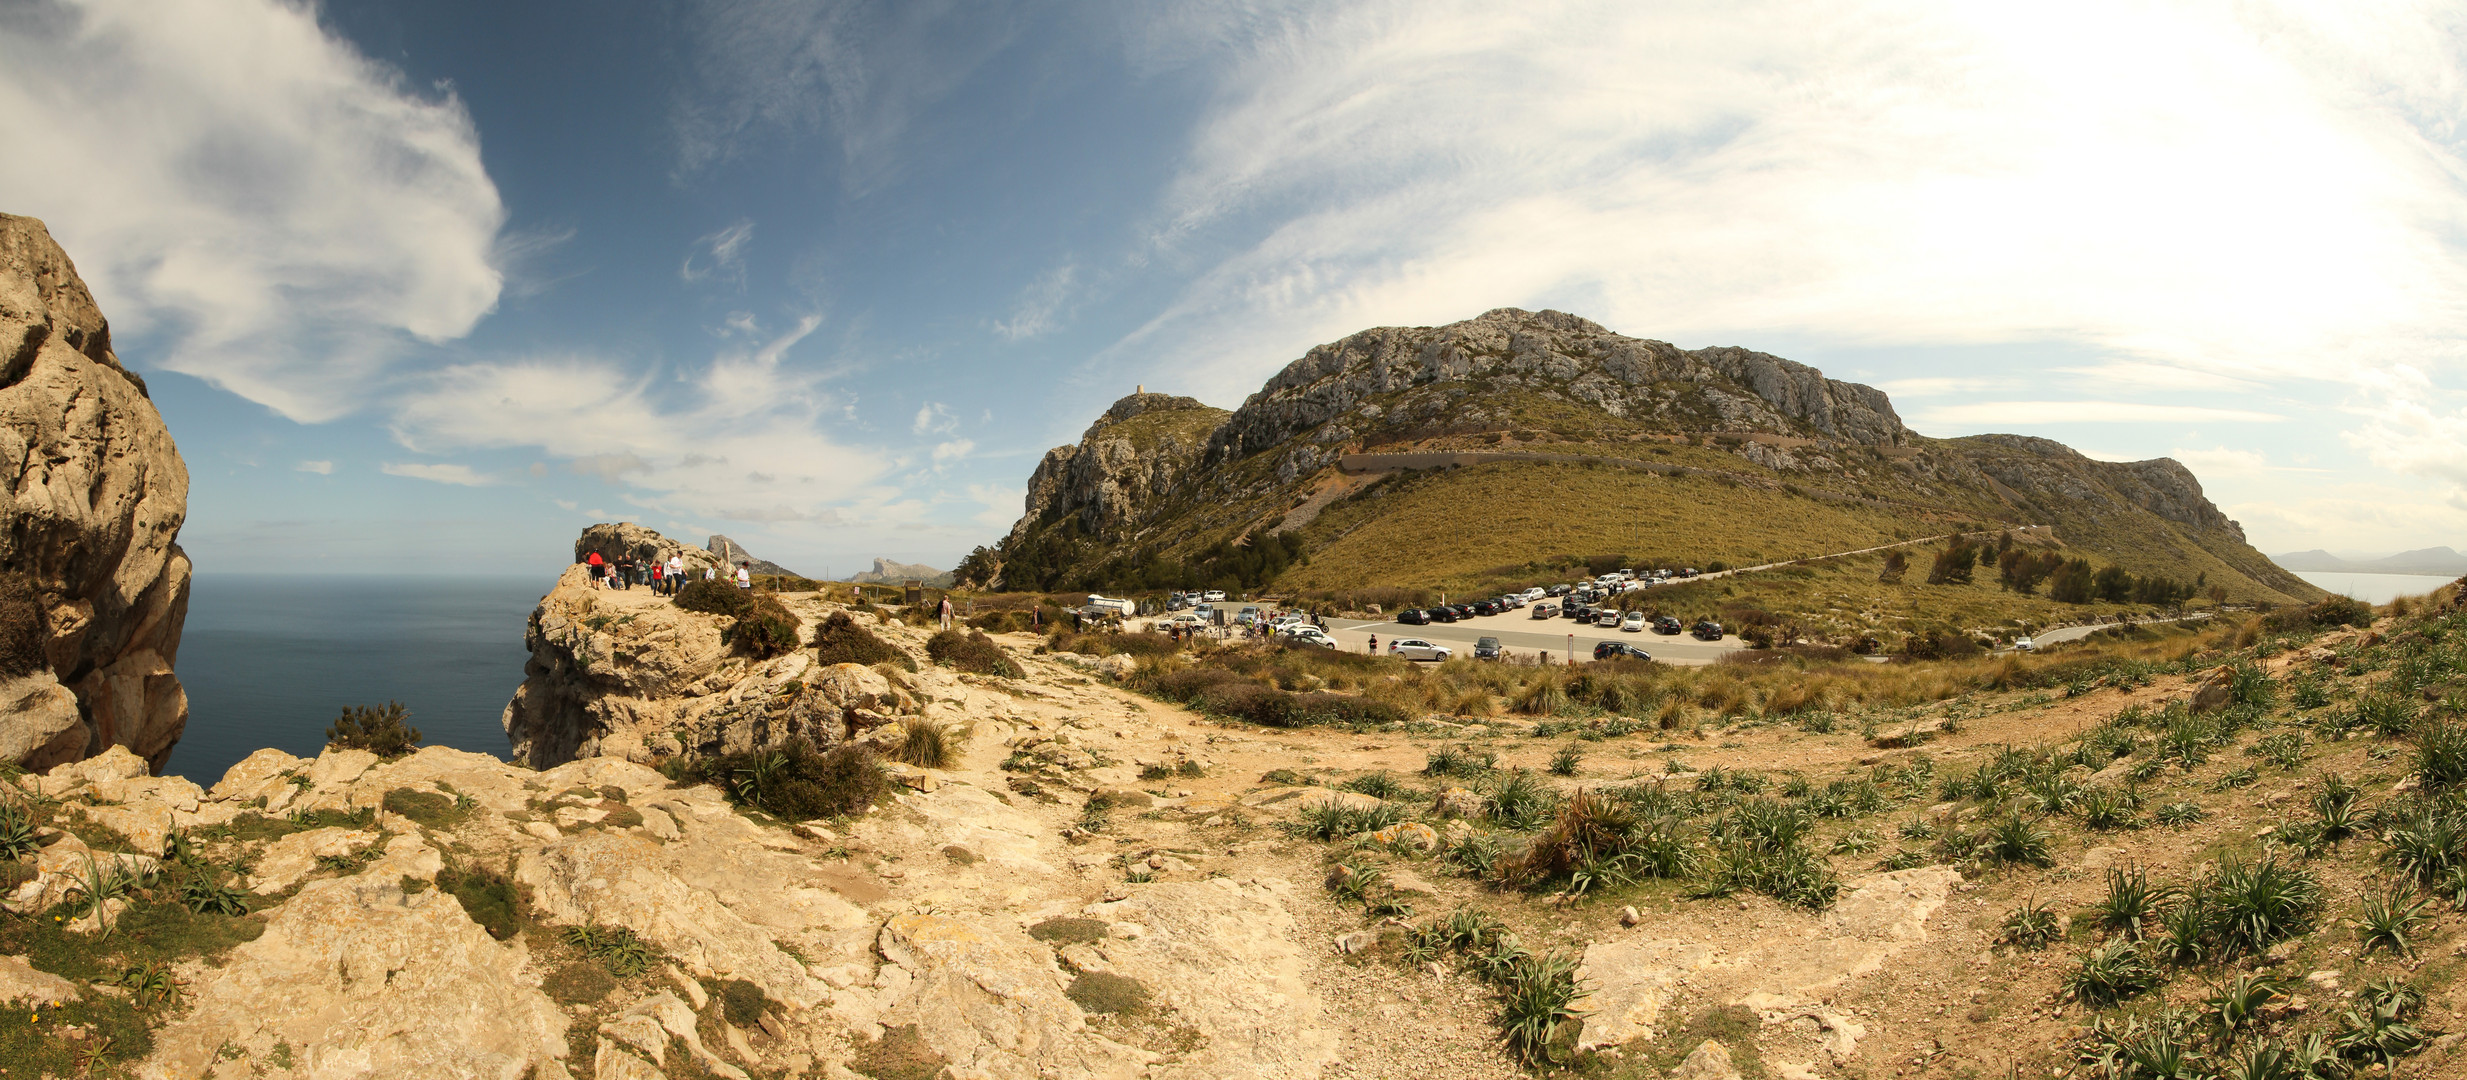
2374, 588
272, 660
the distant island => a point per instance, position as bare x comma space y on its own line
2428, 562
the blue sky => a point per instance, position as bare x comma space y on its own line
432, 286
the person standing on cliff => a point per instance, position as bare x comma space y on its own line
946, 613
745, 575
598, 569
676, 573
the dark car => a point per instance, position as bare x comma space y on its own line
1576, 610
1485, 607
1443, 613
1617, 650
1463, 611
1414, 617
1706, 630
1562, 589
1545, 610
1667, 624
1486, 648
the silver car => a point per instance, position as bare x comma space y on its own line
1635, 622
1607, 618
1417, 649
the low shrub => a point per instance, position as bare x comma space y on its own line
2114, 972
380, 730
1107, 643
927, 743
973, 652
794, 782
1105, 992
2326, 613
489, 897
839, 640
714, 598
766, 628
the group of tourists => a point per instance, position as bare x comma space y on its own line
662, 577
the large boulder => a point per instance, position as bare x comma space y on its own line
624, 539
93, 584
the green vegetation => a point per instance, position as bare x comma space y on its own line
766, 628
489, 897
794, 782
714, 597
381, 730
927, 743
971, 651
839, 640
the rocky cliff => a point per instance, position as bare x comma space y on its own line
730, 553
93, 584
1164, 485
629, 674
892, 573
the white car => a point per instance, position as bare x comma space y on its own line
1416, 649
1634, 623
1306, 635
2023, 644
1214, 596
1178, 620
1607, 618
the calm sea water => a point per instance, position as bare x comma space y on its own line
2375, 588
271, 661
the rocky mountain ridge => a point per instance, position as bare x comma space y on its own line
887, 572
1170, 476
93, 585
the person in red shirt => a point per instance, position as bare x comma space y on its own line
598, 569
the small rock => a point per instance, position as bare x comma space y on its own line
960, 855
2283, 951
1629, 917
818, 831
1407, 883
2324, 980
1709, 1061
1357, 941
1339, 877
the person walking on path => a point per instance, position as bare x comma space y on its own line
598, 569
676, 573
946, 613
1374, 644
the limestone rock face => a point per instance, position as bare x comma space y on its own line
624, 539
629, 674
93, 494
1136, 456
730, 553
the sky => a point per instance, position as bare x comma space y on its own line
431, 287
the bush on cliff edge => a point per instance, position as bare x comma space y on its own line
714, 598
839, 640
971, 651
793, 782
380, 730
766, 628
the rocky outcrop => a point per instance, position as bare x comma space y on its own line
93, 584
624, 539
730, 553
1124, 469
628, 674
892, 573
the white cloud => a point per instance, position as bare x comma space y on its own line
743, 439
1985, 414
281, 215
1002, 504
933, 417
443, 474
321, 468
721, 256
952, 450
2235, 189
2221, 461
1039, 308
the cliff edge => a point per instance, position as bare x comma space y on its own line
93, 584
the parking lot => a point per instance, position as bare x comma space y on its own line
1522, 635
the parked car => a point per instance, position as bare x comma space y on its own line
1667, 624
1706, 630
1578, 611
1417, 649
1463, 611
1614, 650
1306, 634
1443, 613
1181, 620
1606, 617
1561, 590
1545, 610
1214, 596
1414, 617
2024, 644
1633, 623
1486, 648
1485, 607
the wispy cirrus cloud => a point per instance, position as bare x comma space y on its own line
283, 216
1975, 416
447, 473
1934, 173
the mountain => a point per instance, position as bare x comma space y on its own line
2428, 562
886, 571
1503, 445
730, 553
